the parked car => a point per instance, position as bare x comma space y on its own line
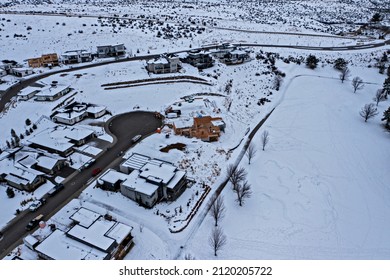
89, 163
136, 138
96, 171
34, 206
34, 222
55, 189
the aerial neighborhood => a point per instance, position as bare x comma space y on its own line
44, 155
158, 130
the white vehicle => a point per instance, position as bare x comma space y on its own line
34, 206
136, 138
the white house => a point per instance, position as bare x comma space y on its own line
61, 139
51, 93
21, 72
92, 237
163, 64
77, 56
150, 180
111, 50
76, 112
28, 92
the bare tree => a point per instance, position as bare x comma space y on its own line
344, 73
264, 138
235, 175
368, 111
379, 96
357, 84
217, 210
250, 152
189, 257
217, 240
243, 191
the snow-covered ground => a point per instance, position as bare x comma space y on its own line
319, 190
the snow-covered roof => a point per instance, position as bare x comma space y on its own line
18, 164
75, 110
78, 133
136, 161
28, 160
47, 162
58, 246
218, 123
149, 173
53, 139
95, 234
112, 176
179, 174
158, 173
22, 69
31, 240
85, 217
160, 60
183, 122
119, 232
96, 109
69, 115
52, 91
70, 53
28, 90
57, 138
238, 52
18, 179
140, 185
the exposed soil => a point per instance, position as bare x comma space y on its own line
178, 146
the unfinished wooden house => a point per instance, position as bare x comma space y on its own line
204, 128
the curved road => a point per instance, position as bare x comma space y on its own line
123, 128
13, 90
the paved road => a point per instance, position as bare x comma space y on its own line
123, 128
25, 82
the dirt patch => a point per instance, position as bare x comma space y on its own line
178, 146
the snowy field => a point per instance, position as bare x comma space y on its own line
319, 189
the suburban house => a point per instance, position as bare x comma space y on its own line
145, 180
77, 56
111, 50
7, 68
111, 180
236, 56
46, 60
52, 92
91, 236
61, 139
223, 50
16, 169
231, 54
205, 128
77, 111
163, 64
21, 72
3, 72
199, 59
39, 160
25, 181
28, 92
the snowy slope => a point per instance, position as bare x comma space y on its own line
319, 189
